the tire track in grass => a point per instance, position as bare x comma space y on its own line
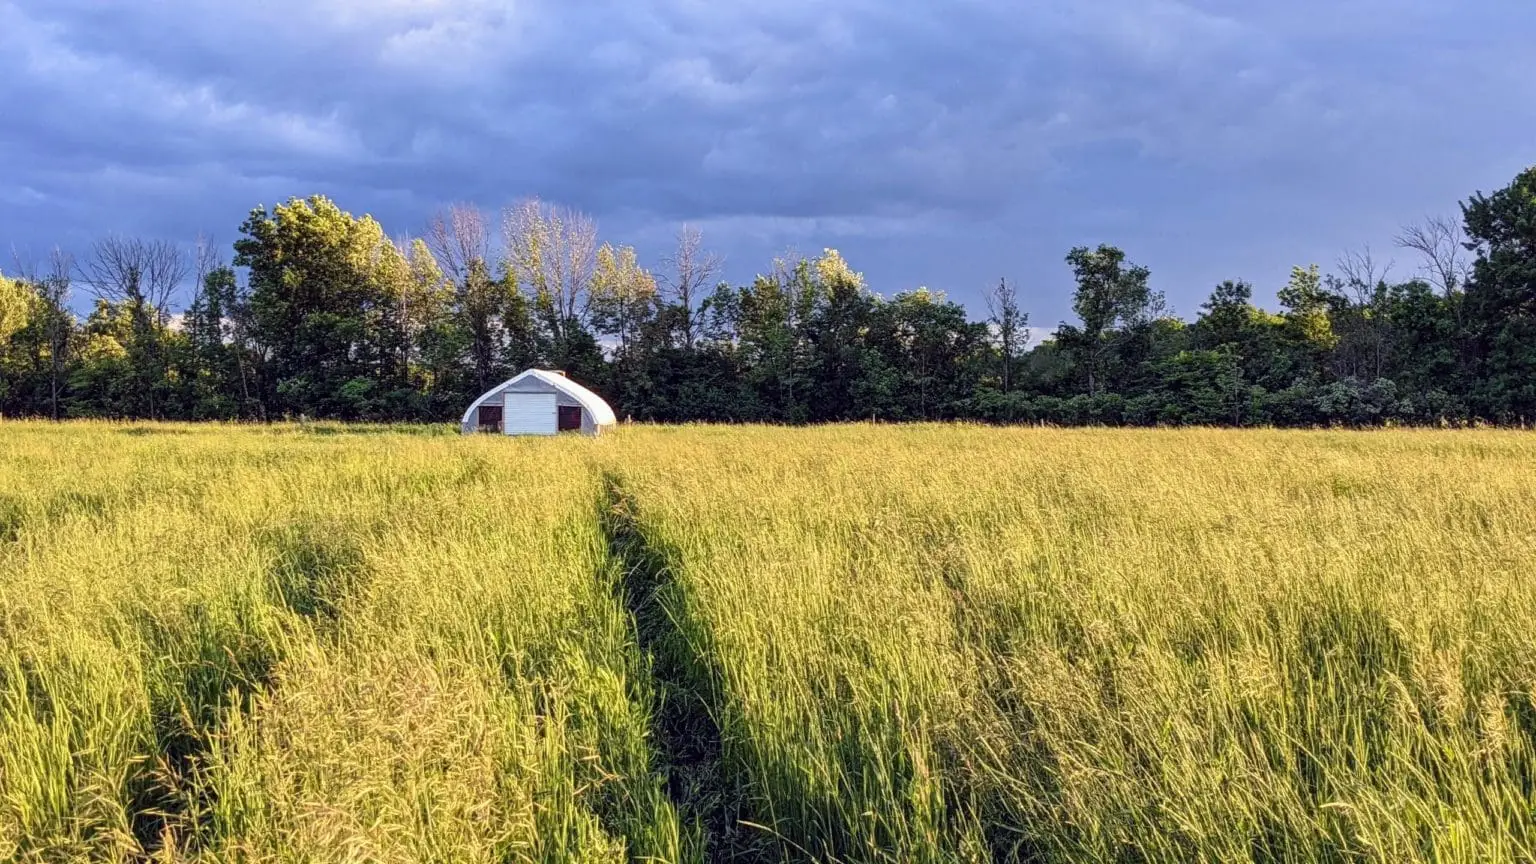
210, 668
213, 661
684, 725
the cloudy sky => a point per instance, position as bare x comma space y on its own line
942, 143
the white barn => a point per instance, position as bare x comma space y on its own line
538, 402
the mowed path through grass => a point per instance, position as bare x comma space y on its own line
853, 643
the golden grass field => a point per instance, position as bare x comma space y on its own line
860, 644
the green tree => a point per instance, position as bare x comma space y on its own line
434, 348
1501, 298
1308, 327
1229, 321
626, 309
53, 336
103, 380
323, 304
624, 297
767, 320
1110, 297
213, 362
1427, 360
836, 336
16, 302
1227, 316
15, 307
929, 351
1203, 387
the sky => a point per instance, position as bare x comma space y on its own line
945, 143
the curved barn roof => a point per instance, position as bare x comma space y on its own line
602, 414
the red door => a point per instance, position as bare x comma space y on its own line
490, 418
570, 418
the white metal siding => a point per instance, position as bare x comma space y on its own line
529, 414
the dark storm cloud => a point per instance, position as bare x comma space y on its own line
943, 143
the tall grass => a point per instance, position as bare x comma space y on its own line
851, 643
281, 646
931, 643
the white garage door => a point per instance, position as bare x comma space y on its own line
530, 414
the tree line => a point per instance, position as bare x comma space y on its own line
322, 314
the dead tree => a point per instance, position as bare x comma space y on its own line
460, 239
551, 254
1009, 324
693, 269
1443, 246
1366, 279
141, 274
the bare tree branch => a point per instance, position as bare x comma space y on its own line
1009, 324
551, 252
57, 279
459, 237
205, 260
1442, 244
1362, 274
693, 269
23, 264
26, 265
141, 273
